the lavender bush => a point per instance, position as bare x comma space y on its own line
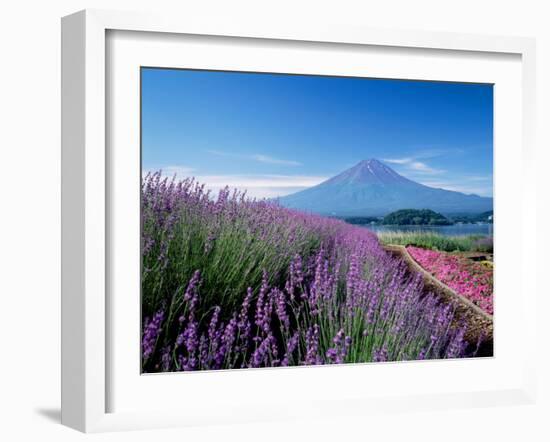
230, 282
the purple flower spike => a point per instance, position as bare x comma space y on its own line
338, 353
381, 355
150, 334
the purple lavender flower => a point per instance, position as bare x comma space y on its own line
190, 292
338, 352
151, 331
212, 329
381, 354
280, 303
261, 354
166, 360
261, 304
290, 348
312, 346
296, 276
457, 345
190, 337
227, 340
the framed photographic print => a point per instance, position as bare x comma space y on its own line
250, 210
268, 257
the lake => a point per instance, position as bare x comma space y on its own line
453, 230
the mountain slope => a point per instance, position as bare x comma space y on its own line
372, 188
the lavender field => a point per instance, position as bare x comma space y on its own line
231, 282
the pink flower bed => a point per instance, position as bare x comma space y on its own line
470, 279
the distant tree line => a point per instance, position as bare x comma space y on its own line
421, 217
416, 217
485, 217
362, 220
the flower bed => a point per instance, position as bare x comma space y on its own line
230, 282
470, 279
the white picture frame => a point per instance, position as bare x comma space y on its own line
87, 204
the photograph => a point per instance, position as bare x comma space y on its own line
292, 220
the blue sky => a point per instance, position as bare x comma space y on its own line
275, 134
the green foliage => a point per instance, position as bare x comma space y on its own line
436, 241
416, 217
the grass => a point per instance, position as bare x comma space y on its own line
436, 241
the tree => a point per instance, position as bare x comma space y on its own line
416, 217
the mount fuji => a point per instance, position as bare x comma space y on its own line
370, 188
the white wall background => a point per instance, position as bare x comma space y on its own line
30, 213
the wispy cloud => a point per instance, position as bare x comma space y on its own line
478, 185
425, 154
262, 180
421, 167
416, 162
422, 172
261, 186
256, 186
271, 160
398, 160
261, 158
412, 164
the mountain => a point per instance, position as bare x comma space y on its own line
372, 188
